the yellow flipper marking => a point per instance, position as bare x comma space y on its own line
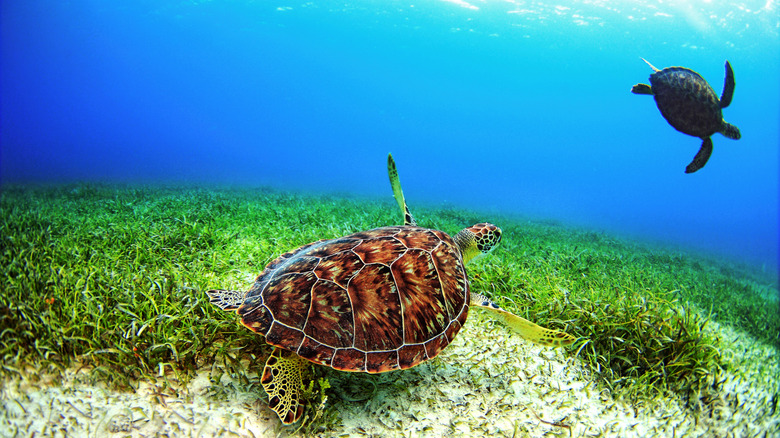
282, 381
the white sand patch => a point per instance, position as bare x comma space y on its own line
73, 408
487, 382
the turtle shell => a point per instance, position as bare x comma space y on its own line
375, 301
687, 101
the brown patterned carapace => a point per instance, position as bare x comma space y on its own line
687, 101
373, 301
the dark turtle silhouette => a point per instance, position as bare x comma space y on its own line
375, 301
691, 106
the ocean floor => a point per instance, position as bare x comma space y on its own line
488, 382
110, 276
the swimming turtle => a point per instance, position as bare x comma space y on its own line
691, 106
374, 301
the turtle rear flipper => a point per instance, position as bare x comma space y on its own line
701, 157
226, 299
522, 326
282, 381
728, 87
730, 131
642, 89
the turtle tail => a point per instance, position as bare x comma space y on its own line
730, 131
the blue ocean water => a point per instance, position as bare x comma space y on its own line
512, 106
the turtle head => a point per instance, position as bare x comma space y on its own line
477, 240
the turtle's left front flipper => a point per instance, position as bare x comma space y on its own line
395, 183
522, 326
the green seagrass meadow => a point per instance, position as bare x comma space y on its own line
113, 278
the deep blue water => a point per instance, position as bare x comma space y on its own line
514, 106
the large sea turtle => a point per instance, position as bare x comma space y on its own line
374, 301
691, 106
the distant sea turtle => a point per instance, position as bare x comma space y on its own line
374, 301
691, 106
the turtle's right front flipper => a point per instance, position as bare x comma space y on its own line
522, 326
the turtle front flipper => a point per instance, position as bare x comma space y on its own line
395, 183
642, 89
522, 326
282, 381
728, 87
701, 157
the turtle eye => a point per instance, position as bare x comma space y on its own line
496, 236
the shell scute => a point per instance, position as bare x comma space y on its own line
411, 355
436, 345
456, 325
300, 264
377, 309
333, 246
258, 318
381, 361
383, 250
424, 310
280, 334
376, 232
330, 316
419, 238
349, 359
288, 297
452, 277
284, 258
339, 268
316, 352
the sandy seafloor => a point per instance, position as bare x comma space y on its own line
488, 382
